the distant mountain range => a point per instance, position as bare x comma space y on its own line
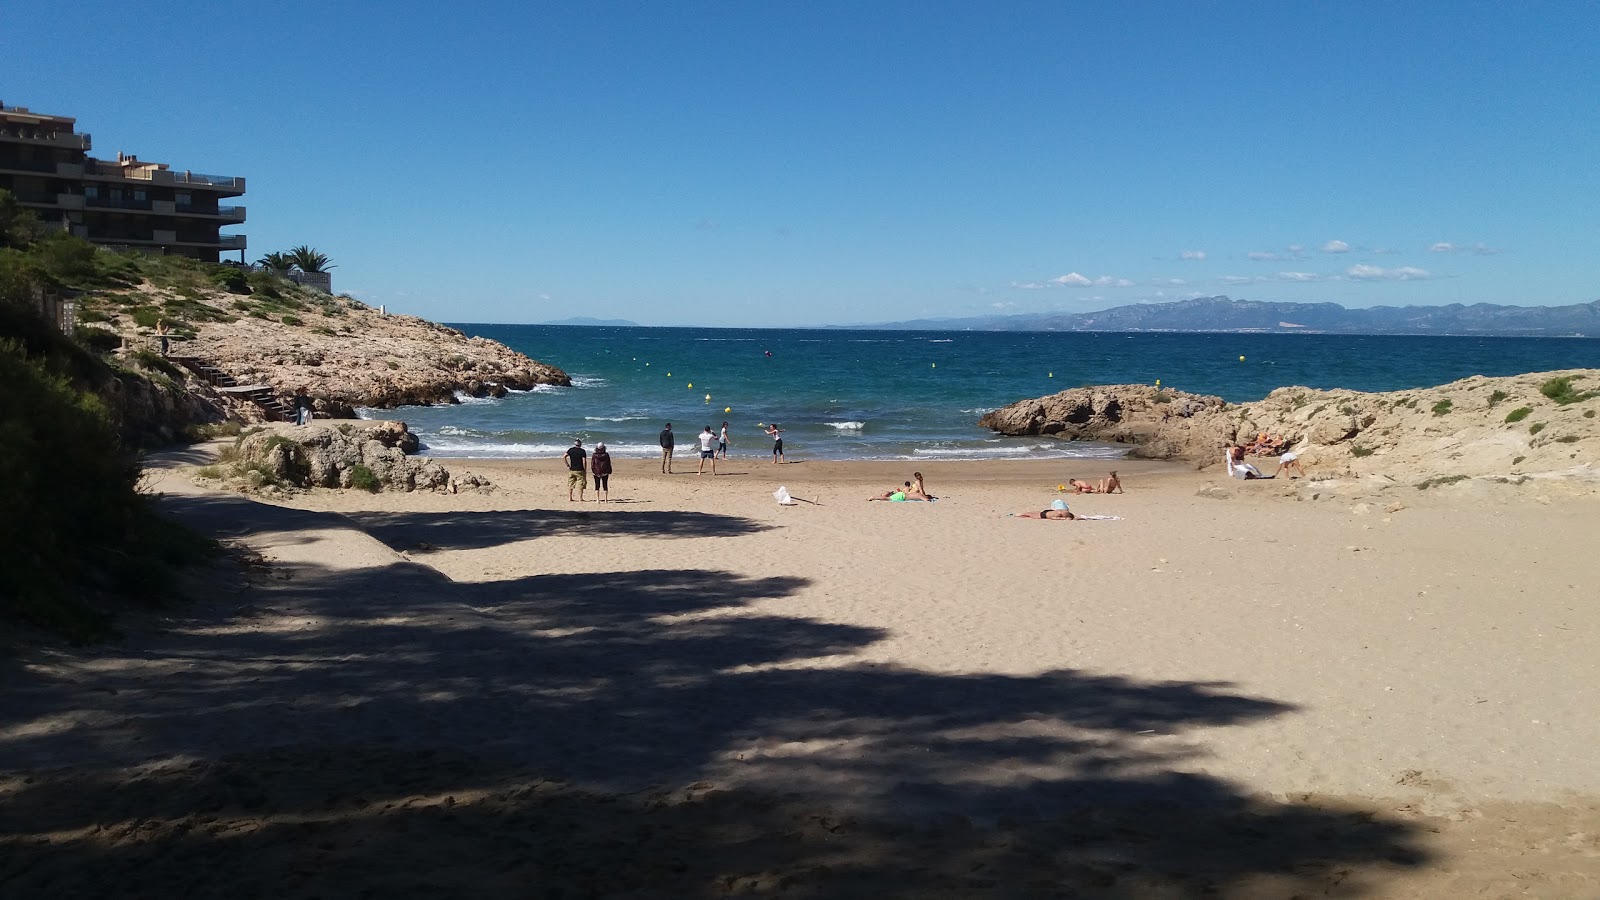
1226, 315
585, 320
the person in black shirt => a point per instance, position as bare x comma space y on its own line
577, 460
667, 442
600, 468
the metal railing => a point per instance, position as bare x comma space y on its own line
39, 136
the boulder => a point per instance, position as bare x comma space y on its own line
345, 455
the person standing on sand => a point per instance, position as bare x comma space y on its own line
577, 460
776, 434
708, 450
722, 442
667, 443
600, 468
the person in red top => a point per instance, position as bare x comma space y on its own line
600, 468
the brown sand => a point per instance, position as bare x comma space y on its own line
1337, 688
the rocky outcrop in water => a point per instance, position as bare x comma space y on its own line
1536, 424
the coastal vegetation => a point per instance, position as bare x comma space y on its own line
1563, 393
80, 539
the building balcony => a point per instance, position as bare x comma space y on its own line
25, 135
153, 175
51, 200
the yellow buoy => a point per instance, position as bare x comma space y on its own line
669, 374
1052, 374
1241, 359
690, 384
933, 365
727, 409
1158, 382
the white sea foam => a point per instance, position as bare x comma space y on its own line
613, 419
588, 381
466, 399
846, 426
458, 449
941, 340
980, 411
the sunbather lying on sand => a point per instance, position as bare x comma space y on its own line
1046, 514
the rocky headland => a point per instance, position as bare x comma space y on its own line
1533, 425
346, 354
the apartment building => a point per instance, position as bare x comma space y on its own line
126, 203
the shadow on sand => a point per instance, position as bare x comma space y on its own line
630, 733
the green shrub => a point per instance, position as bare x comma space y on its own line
291, 320
1518, 414
1561, 391
1440, 480
231, 279
364, 479
1567, 439
1161, 398
1518, 460
98, 339
1496, 397
1535, 428
154, 361
1442, 407
145, 316
212, 431
1359, 451
1588, 414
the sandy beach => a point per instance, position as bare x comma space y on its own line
1268, 689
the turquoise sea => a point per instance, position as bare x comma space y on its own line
846, 394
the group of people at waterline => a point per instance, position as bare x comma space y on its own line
713, 446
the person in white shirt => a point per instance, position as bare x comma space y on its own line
722, 442
708, 450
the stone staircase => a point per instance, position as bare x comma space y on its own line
261, 395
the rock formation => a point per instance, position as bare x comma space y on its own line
346, 354
1544, 423
367, 455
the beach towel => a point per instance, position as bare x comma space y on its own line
1101, 518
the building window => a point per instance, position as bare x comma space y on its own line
91, 191
141, 196
182, 198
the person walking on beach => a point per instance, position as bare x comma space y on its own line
600, 468
708, 450
776, 434
667, 442
303, 406
577, 461
722, 442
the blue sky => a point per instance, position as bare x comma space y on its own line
778, 164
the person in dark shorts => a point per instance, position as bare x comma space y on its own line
667, 442
708, 450
776, 434
577, 463
722, 442
600, 468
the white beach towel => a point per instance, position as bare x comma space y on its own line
782, 496
1101, 518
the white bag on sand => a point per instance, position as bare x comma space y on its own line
783, 498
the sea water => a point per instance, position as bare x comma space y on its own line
908, 395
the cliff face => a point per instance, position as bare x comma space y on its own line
1518, 425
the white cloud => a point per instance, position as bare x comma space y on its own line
1002, 305
1299, 276
1480, 248
1071, 278
1194, 254
1264, 255
1238, 279
1108, 281
1028, 285
1297, 249
1177, 282
1365, 272
1336, 247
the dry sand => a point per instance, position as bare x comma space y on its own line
1346, 688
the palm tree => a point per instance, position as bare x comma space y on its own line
309, 260
279, 263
